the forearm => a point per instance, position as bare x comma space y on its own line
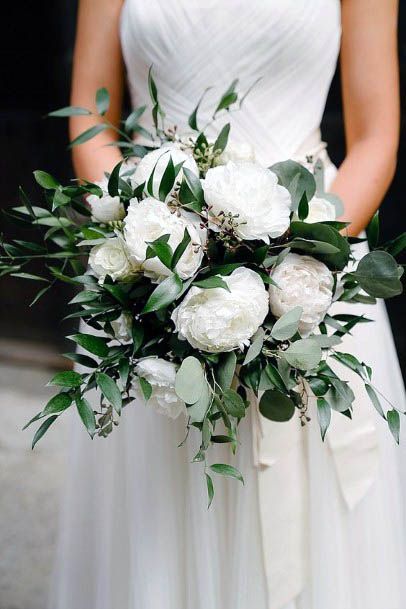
363, 180
92, 159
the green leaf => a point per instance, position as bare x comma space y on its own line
212, 282
168, 179
87, 415
137, 332
88, 134
81, 359
198, 410
180, 249
287, 325
297, 179
94, 344
29, 276
324, 341
318, 386
69, 111
194, 184
322, 232
57, 404
60, 200
110, 390
256, 346
102, 100
228, 98
43, 429
372, 230
210, 490
276, 406
222, 139
304, 354
45, 180
132, 120
192, 120
313, 246
161, 248
394, 423
190, 380
226, 470
274, 377
146, 388
396, 246
324, 416
374, 399
164, 294
303, 208
233, 403
226, 369
34, 419
70, 378
112, 185
377, 274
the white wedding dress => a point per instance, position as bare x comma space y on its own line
316, 526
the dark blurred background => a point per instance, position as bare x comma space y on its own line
37, 59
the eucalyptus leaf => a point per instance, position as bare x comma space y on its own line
287, 325
69, 111
374, 399
394, 423
226, 369
102, 100
256, 346
377, 274
233, 403
304, 354
88, 134
210, 489
198, 410
297, 179
94, 344
190, 380
276, 406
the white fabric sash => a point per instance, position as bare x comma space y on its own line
279, 451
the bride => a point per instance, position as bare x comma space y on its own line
317, 526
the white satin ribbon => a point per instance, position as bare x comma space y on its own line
279, 451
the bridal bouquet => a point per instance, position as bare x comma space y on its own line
210, 281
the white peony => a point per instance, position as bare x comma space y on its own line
111, 258
320, 210
106, 208
160, 374
251, 193
149, 219
217, 320
122, 327
157, 160
305, 282
236, 151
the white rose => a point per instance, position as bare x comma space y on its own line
122, 327
236, 151
149, 219
111, 258
253, 194
157, 160
106, 208
160, 374
320, 210
305, 282
217, 320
